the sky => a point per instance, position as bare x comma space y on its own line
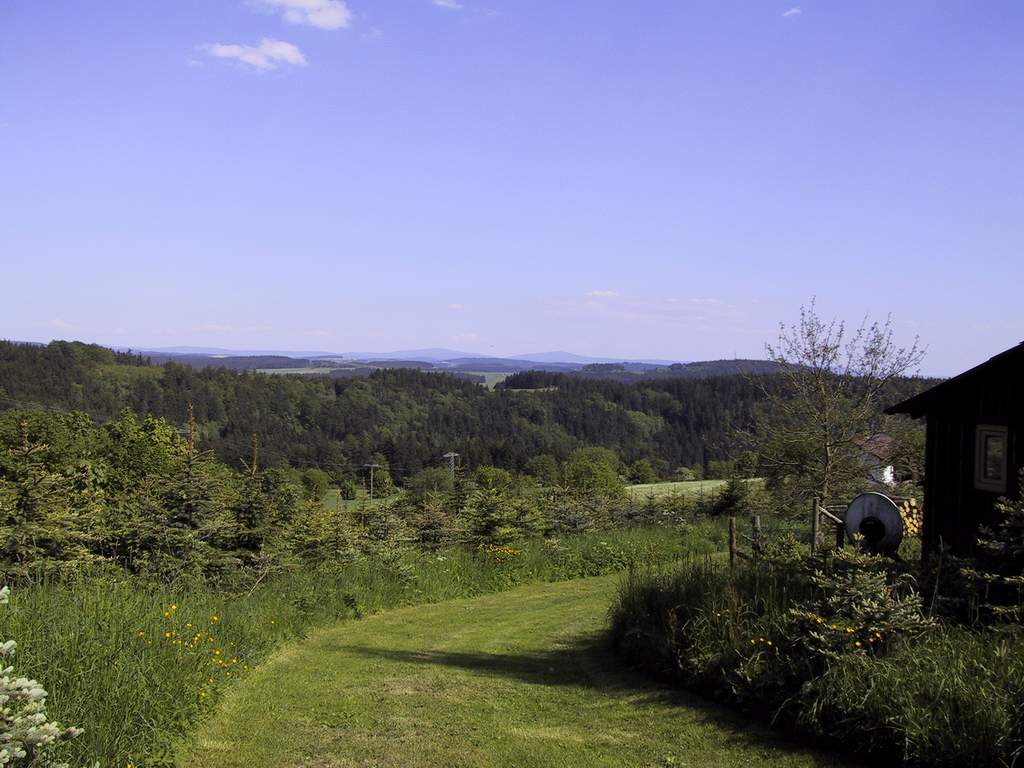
656, 179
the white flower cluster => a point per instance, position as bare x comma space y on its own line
25, 733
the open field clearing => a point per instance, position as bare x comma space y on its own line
516, 679
687, 488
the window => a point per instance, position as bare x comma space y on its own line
990, 459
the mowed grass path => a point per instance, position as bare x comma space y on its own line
519, 678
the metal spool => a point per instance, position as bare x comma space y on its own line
877, 520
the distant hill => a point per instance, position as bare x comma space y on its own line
569, 357
434, 359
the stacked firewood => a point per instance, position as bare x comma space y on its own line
913, 517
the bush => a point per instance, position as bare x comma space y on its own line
833, 647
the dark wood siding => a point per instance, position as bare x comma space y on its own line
992, 394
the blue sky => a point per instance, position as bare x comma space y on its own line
653, 179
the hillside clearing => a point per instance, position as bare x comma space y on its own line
691, 488
514, 679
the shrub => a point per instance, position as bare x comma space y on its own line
835, 647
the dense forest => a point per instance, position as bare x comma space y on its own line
405, 418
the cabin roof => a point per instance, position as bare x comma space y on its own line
879, 445
920, 404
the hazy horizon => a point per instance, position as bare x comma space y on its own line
664, 181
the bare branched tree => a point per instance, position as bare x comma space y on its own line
826, 402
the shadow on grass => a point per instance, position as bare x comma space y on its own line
589, 662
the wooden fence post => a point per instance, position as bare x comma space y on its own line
755, 534
815, 523
732, 543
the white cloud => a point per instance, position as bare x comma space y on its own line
456, 307
451, 4
791, 12
59, 324
603, 294
269, 54
322, 14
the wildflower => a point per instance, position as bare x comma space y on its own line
849, 630
856, 644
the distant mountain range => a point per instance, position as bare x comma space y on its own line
465, 365
427, 355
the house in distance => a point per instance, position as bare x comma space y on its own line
973, 450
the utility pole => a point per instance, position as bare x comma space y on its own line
451, 456
371, 468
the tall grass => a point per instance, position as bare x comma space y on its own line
138, 665
954, 697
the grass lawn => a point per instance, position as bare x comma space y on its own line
519, 678
331, 499
686, 487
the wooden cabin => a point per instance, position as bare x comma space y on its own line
974, 450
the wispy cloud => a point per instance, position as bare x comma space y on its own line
463, 337
59, 324
269, 54
456, 307
603, 294
791, 12
450, 4
322, 14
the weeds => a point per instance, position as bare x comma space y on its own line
836, 650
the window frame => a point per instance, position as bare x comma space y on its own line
982, 433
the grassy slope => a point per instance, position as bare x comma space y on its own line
691, 488
515, 679
687, 488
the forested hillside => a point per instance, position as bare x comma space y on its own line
405, 418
